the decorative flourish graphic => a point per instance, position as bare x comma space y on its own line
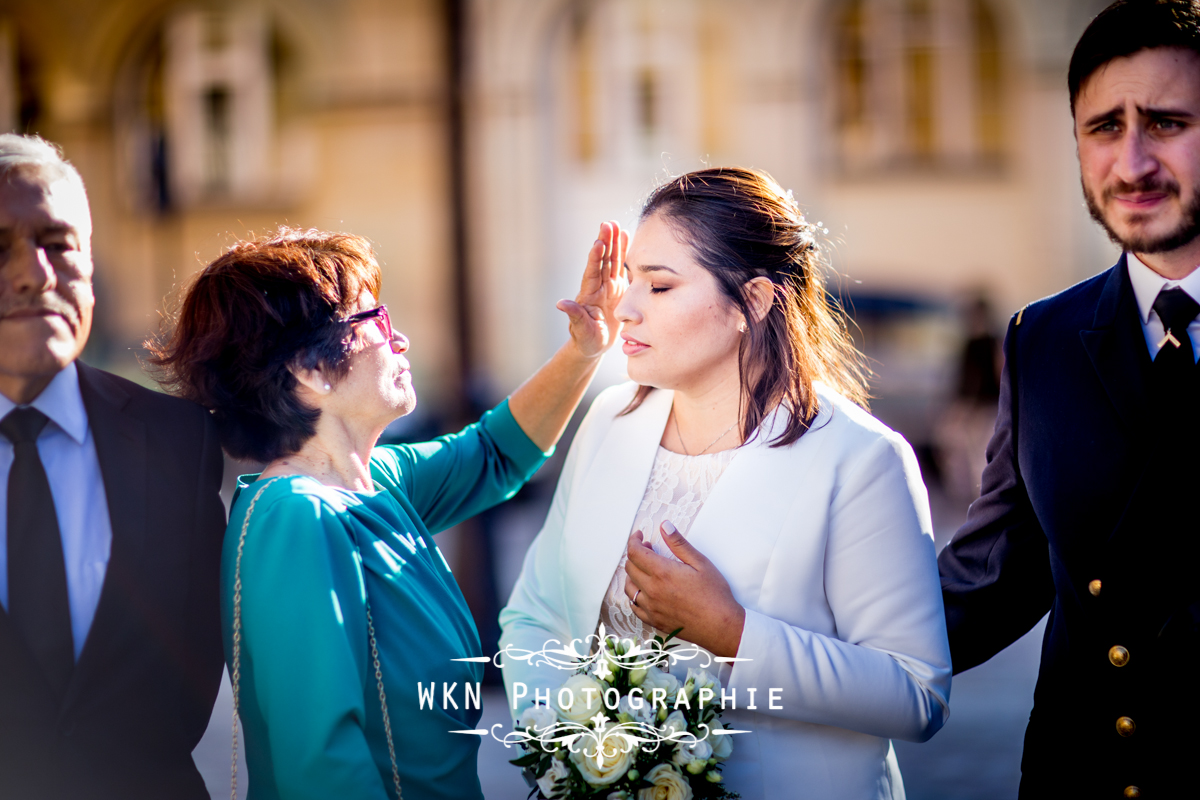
593, 742
600, 659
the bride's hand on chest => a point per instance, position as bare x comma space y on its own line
690, 593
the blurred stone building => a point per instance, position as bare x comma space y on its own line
932, 138
197, 124
478, 143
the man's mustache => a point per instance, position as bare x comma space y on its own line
1167, 187
46, 304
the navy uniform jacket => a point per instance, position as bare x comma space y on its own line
1089, 512
143, 689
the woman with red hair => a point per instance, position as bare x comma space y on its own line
336, 600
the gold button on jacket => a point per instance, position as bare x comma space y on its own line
1125, 726
1118, 655
1094, 587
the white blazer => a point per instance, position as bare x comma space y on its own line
828, 545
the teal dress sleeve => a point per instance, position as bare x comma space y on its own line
304, 669
454, 477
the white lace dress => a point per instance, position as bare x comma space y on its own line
676, 491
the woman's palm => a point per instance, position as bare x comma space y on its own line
594, 323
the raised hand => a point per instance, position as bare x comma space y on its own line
692, 595
594, 325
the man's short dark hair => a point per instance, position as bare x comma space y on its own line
1129, 26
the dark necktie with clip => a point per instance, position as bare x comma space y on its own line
38, 604
1176, 360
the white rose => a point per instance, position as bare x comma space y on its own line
675, 723
669, 784
538, 717
617, 796
660, 679
637, 675
557, 773
722, 746
639, 713
699, 679
616, 761
585, 698
693, 757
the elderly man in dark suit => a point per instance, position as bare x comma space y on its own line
1088, 506
110, 528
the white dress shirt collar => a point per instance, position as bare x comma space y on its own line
1147, 284
61, 401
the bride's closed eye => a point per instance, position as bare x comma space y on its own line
658, 289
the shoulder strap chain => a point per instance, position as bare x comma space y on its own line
236, 672
387, 723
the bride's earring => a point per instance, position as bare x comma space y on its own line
328, 387
742, 328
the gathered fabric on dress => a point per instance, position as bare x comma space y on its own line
678, 486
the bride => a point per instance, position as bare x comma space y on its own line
737, 489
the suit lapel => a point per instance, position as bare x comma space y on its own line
738, 524
1116, 346
604, 502
121, 450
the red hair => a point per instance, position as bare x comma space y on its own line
259, 309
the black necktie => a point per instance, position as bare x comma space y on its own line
37, 576
1175, 360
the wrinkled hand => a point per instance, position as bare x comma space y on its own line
594, 324
692, 595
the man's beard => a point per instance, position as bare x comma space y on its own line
1185, 233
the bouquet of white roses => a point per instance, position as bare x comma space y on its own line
623, 728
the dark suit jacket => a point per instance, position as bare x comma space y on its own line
1088, 512
146, 680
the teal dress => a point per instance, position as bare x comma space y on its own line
314, 556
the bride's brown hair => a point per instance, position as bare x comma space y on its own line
740, 225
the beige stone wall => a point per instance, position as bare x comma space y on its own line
361, 140
757, 92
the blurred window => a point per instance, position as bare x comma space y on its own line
919, 55
918, 85
218, 104
583, 96
20, 105
196, 111
623, 95
989, 79
9, 89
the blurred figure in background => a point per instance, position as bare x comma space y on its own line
110, 529
963, 431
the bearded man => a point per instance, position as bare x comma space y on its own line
1086, 509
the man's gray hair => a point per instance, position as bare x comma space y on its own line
17, 150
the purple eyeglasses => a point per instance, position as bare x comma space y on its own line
383, 321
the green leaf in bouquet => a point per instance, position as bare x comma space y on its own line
527, 760
662, 640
